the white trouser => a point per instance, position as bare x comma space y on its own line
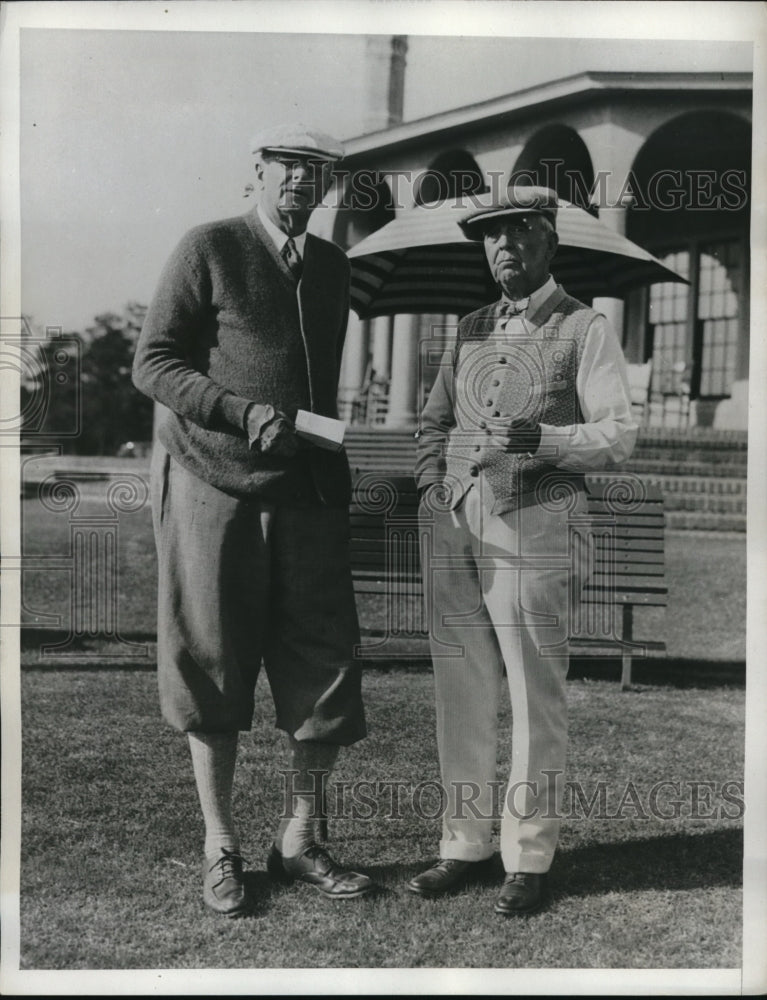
498, 589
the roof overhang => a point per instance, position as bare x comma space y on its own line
572, 89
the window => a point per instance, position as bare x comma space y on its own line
718, 317
693, 331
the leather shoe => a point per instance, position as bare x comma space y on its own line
317, 868
447, 874
224, 885
521, 892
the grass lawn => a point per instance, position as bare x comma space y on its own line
111, 839
112, 832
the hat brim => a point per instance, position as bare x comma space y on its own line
309, 154
475, 226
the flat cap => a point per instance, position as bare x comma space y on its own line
297, 139
525, 198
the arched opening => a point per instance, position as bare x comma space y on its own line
556, 157
690, 188
366, 205
453, 174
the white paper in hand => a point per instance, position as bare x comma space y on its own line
325, 432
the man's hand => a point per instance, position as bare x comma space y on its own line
520, 437
275, 436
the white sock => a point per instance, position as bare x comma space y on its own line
296, 832
213, 759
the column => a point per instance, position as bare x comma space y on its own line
380, 364
615, 219
353, 365
613, 144
380, 343
404, 372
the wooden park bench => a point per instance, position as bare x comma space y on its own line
625, 518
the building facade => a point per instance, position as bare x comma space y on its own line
664, 158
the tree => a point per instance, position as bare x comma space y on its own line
111, 410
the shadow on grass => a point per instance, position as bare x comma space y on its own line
662, 671
678, 862
263, 891
92, 654
394, 877
681, 861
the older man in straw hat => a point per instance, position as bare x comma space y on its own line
247, 328
533, 396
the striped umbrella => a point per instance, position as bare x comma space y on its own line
422, 263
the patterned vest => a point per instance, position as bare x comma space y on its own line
499, 377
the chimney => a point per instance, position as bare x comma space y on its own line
384, 81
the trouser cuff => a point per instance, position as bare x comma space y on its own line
456, 851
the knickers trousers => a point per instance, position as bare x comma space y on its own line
243, 581
498, 590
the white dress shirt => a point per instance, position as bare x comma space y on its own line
279, 238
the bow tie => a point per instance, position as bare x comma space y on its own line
292, 258
511, 308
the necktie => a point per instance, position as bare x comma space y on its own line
510, 309
292, 258
513, 307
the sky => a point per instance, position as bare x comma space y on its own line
129, 137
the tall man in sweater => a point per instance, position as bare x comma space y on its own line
247, 327
532, 396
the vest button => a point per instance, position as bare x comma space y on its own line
489, 403
496, 381
496, 413
474, 471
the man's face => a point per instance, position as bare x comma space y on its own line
519, 250
291, 188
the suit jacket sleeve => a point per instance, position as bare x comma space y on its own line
161, 368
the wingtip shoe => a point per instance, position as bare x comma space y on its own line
224, 888
316, 867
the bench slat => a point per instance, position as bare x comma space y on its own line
378, 586
629, 568
593, 645
619, 510
633, 544
659, 600
621, 581
367, 550
638, 531
629, 555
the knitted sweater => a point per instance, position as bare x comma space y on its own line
493, 380
228, 328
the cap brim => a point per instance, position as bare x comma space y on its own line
309, 154
467, 225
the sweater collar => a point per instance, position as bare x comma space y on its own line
277, 236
